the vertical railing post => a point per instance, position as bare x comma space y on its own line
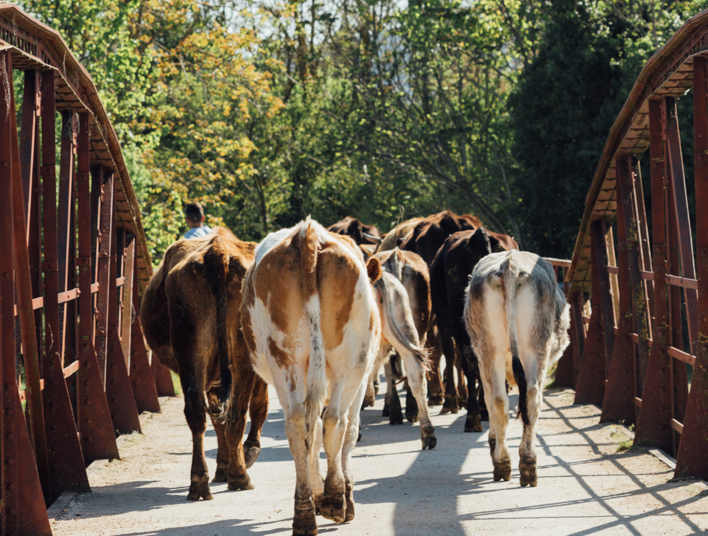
145, 386
691, 459
23, 289
590, 387
105, 235
653, 427
97, 432
618, 404
22, 508
118, 387
578, 341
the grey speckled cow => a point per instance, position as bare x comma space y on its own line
518, 320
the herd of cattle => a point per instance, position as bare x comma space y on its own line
316, 312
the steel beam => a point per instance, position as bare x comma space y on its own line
590, 387
653, 427
97, 430
22, 506
691, 459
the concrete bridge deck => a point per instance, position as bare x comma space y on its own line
585, 485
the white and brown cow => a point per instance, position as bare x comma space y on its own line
517, 318
312, 325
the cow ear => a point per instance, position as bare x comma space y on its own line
373, 268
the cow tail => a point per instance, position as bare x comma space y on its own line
216, 264
510, 280
317, 367
401, 342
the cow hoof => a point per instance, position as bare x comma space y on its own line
240, 484
395, 419
502, 471
429, 442
199, 488
450, 406
473, 424
252, 455
368, 402
305, 525
222, 473
350, 511
334, 509
348, 496
484, 415
527, 470
412, 418
463, 402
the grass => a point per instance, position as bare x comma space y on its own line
177, 384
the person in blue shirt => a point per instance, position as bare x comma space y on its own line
194, 213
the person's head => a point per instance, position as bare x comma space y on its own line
194, 214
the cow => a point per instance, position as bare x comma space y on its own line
517, 319
425, 239
191, 315
449, 275
312, 326
410, 270
395, 236
353, 228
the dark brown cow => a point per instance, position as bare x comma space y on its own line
191, 318
425, 239
449, 275
429, 234
354, 229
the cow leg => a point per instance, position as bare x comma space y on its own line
461, 381
394, 403
222, 452
350, 437
333, 505
435, 387
235, 428
483, 411
258, 411
296, 429
411, 404
370, 396
492, 371
534, 393
195, 413
316, 480
416, 381
450, 405
473, 423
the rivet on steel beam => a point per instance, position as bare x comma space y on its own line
113, 366
10, 461
11, 435
7, 275
88, 402
114, 400
86, 364
87, 383
5, 164
135, 382
54, 426
88, 440
88, 421
10, 487
114, 383
11, 511
8, 412
53, 383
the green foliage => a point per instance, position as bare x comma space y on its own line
266, 112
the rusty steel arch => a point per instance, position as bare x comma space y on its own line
73, 261
630, 356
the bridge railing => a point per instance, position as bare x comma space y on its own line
647, 331
74, 370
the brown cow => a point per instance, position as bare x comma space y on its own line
412, 272
312, 326
356, 230
191, 316
396, 235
